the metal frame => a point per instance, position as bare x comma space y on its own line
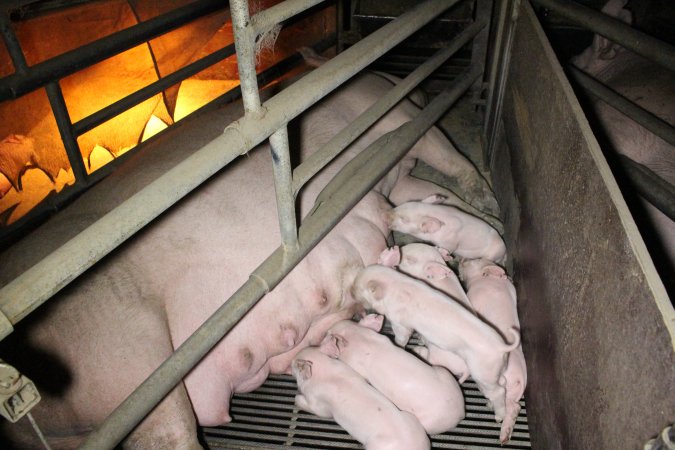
260, 122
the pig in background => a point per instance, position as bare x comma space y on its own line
653, 88
142, 301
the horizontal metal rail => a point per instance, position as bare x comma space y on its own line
391, 148
649, 185
66, 64
92, 121
614, 30
640, 115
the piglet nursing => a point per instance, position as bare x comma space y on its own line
448, 227
430, 393
330, 388
413, 305
494, 298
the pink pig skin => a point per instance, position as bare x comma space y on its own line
427, 263
411, 304
448, 227
430, 393
330, 388
494, 297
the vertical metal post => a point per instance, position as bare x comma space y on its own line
245, 35
482, 13
244, 38
508, 15
66, 131
12, 43
339, 25
283, 182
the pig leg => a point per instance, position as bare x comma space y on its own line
439, 357
512, 411
171, 425
401, 334
496, 396
433, 149
408, 189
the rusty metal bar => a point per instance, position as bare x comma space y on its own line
391, 148
614, 30
61, 66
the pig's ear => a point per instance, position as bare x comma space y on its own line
494, 271
390, 257
430, 224
436, 271
373, 321
376, 289
329, 346
445, 254
434, 199
303, 368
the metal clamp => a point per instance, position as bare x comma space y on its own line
664, 441
18, 394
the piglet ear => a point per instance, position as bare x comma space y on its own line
436, 271
376, 289
373, 321
303, 369
494, 271
430, 224
329, 346
434, 199
445, 254
390, 257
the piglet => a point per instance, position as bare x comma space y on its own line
330, 388
494, 297
448, 227
411, 304
430, 393
427, 263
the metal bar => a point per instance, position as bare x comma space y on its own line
498, 76
392, 147
244, 42
649, 185
66, 131
614, 30
305, 171
281, 163
61, 66
32, 288
640, 115
12, 44
131, 100
268, 18
479, 48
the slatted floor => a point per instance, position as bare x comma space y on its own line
267, 418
